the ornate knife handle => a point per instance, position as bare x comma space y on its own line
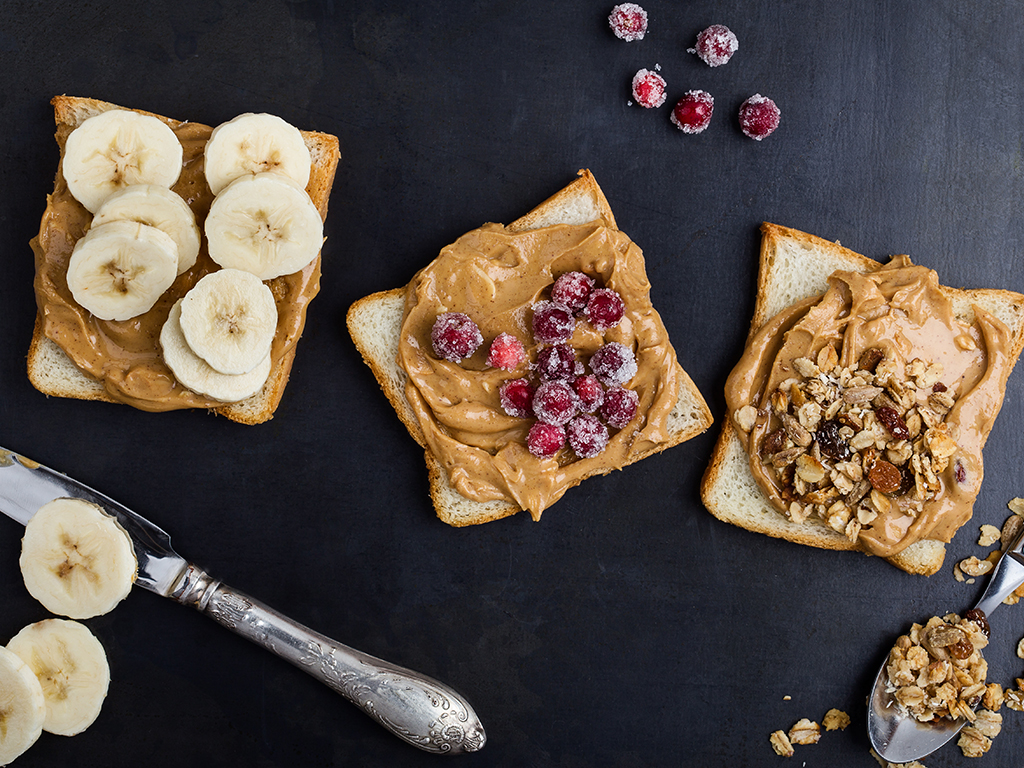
414, 707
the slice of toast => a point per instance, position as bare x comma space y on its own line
52, 372
793, 266
375, 325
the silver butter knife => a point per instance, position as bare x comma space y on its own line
414, 707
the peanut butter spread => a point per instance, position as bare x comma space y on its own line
868, 407
125, 355
495, 277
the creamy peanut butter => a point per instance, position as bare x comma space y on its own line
495, 276
125, 355
819, 388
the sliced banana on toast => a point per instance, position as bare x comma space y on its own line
158, 207
116, 149
76, 559
22, 706
255, 143
264, 224
120, 269
71, 668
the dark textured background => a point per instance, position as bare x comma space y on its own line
628, 627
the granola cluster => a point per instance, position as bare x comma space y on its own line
937, 670
846, 443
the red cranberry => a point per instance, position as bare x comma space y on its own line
587, 436
557, 362
716, 45
590, 392
759, 117
614, 364
628, 21
619, 406
649, 88
692, 113
545, 440
454, 336
572, 290
552, 322
516, 396
605, 309
554, 402
506, 352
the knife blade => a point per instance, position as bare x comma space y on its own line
418, 709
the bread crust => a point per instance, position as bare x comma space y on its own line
374, 322
52, 372
728, 488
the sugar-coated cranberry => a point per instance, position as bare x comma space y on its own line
516, 396
590, 392
572, 290
605, 309
759, 117
554, 402
649, 88
552, 322
545, 440
619, 406
692, 113
454, 336
506, 353
587, 436
716, 45
557, 362
628, 21
614, 364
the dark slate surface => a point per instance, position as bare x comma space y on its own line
629, 627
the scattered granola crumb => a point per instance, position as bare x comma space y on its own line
989, 536
1014, 700
972, 742
886, 764
835, 720
989, 723
1020, 649
781, 744
972, 566
805, 731
787, 698
1016, 506
992, 699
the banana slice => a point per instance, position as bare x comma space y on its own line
76, 559
120, 269
228, 319
158, 207
71, 668
22, 706
254, 143
195, 373
264, 224
116, 149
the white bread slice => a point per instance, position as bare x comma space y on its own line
795, 265
375, 325
52, 372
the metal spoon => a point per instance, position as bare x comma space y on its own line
896, 736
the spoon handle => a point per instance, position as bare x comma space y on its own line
1007, 576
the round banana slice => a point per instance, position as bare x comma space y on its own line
195, 373
228, 319
255, 143
76, 559
157, 207
264, 224
22, 706
120, 269
71, 667
116, 149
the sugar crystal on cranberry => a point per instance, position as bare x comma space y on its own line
557, 362
554, 402
545, 440
759, 117
605, 309
692, 113
590, 392
614, 364
587, 436
572, 290
649, 88
619, 407
552, 322
516, 396
454, 336
716, 45
506, 353
628, 21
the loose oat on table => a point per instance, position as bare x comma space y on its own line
1014, 699
1016, 506
835, 720
989, 535
972, 742
805, 731
781, 744
972, 566
989, 723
